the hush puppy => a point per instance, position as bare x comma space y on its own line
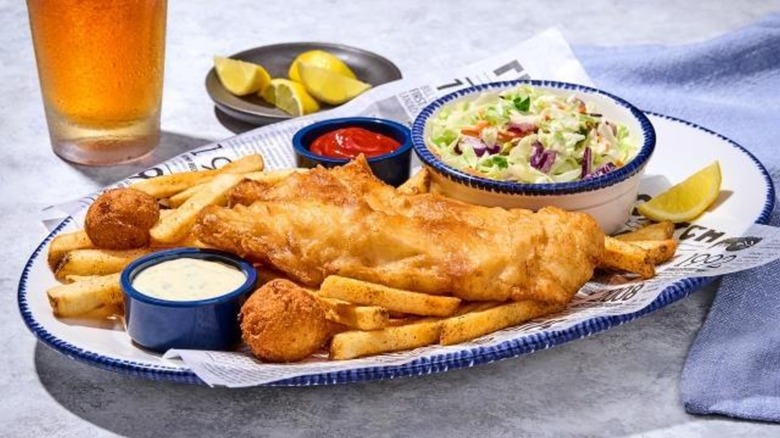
281, 322
121, 219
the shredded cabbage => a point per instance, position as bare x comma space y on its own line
527, 135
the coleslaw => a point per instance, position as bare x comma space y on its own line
528, 135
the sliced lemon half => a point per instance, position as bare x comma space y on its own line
330, 87
321, 59
268, 93
241, 77
290, 97
686, 200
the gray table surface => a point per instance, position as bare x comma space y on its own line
621, 382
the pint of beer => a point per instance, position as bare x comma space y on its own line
100, 64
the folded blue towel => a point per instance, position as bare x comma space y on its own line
731, 85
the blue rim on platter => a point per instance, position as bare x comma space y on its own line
462, 359
542, 189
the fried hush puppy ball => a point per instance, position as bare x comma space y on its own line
281, 322
121, 219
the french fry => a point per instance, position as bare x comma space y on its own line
165, 212
350, 315
352, 344
72, 278
476, 306
659, 251
64, 243
168, 185
273, 176
394, 300
397, 322
353, 316
478, 323
175, 226
335, 328
419, 183
245, 164
83, 297
659, 231
96, 262
180, 198
622, 256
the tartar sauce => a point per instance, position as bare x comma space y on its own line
188, 279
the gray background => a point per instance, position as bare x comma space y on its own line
621, 382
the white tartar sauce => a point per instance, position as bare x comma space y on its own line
188, 279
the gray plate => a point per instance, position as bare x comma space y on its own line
369, 67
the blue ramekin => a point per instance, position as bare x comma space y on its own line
210, 324
392, 168
608, 198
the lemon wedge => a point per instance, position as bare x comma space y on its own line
241, 77
290, 97
686, 200
321, 59
330, 87
268, 93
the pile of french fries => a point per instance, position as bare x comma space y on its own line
371, 318
375, 319
639, 251
90, 275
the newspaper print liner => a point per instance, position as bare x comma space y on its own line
427, 365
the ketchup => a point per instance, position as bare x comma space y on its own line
351, 142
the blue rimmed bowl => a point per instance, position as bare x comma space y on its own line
392, 168
608, 198
209, 324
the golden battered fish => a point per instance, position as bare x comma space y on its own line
344, 221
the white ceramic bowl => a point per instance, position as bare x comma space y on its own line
608, 198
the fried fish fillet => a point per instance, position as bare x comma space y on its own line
346, 222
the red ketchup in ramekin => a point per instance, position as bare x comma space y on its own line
351, 142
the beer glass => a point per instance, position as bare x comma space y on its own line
100, 65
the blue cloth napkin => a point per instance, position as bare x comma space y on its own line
731, 85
